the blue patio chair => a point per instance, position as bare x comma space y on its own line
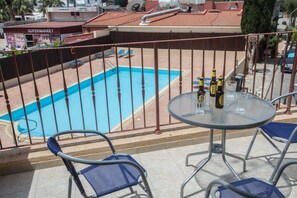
121, 53
251, 187
113, 173
206, 83
106, 54
277, 131
128, 53
74, 64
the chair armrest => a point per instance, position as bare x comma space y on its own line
89, 132
283, 96
282, 168
228, 186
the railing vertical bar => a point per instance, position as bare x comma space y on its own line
245, 60
235, 58
65, 91
106, 89
93, 89
169, 77
255, 64
8, 107
22, 96
291, 88
37, 95
225, 52
180, 70
265, 63
119, 87
156, 66
203, 57
51, 90
284, 63
192, 65
214, 54
143, 88
131, 89
274, 66
79, 90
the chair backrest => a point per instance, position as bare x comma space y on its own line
55, 148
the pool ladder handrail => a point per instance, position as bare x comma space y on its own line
25, 131
110, 64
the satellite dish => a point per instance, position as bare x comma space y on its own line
134, 5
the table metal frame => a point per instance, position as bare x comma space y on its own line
215, 148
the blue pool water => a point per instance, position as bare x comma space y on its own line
87, 102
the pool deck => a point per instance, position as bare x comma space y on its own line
166, 172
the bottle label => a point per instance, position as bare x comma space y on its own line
221, 100
200, 98
213, 89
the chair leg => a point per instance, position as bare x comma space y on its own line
280, 161
251, 145
69, 186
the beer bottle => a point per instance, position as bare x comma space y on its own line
213, 84
220, 94
201, 92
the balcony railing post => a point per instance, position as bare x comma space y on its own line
156, 67
292, 82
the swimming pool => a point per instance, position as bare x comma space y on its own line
87, 102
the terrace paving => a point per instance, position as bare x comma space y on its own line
166, 172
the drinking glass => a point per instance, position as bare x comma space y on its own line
231, 88
201, 103
241, 103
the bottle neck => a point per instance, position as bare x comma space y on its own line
213, 75
201, 85
220, 85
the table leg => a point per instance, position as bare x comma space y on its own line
239, 158
223, 154
202, 163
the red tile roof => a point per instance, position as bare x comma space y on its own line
47, 25
223, 18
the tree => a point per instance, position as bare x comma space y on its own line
256, 18
3, 11
43, 4
9, 9
22, 7
290, 6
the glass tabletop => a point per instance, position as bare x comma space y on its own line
241, 111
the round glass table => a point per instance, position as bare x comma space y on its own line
241, 111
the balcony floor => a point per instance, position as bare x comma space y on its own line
166, 172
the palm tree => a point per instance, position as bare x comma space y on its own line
9, 9
22, 7
43, 4
3, 11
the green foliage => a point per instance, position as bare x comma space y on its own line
43, 4
256, 16
14, 51
22, 7
294, 34
121, 3
290, 6
3, 11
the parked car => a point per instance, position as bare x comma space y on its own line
289, 61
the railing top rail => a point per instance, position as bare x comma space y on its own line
154, 42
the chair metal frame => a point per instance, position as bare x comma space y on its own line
241, 192
282, 140
74, 175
